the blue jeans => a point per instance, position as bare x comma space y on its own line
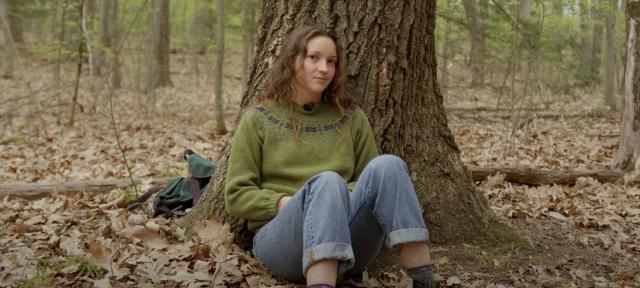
322, 221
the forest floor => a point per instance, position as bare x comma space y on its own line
586, 235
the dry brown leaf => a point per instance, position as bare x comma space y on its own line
212, 231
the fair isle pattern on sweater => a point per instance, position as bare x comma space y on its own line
308, 128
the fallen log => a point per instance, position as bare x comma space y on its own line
538, 115
525, 176
539, 177
37, 190
490, 109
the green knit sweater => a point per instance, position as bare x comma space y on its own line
267, 162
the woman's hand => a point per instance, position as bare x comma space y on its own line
282, 202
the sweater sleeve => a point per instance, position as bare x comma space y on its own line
364, 144
244, 198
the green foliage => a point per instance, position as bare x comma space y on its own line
43, 268
554, 48
130, 194
77, 265
85, 268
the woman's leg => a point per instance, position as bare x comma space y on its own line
385, 209
311, 229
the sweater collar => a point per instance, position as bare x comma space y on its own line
306, 110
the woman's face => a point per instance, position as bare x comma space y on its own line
318, 67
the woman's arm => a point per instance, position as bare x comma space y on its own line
244, 197
364, 144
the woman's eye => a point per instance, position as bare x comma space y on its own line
331, 61
313, 57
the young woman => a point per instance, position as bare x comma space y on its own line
304, 170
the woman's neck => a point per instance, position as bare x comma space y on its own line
305, 98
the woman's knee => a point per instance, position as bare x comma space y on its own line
330, 177
331, 183
388, 161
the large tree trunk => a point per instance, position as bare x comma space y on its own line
390, 48
627, 157
609, 82
475, 26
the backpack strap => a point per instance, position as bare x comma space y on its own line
195, 190
144, 197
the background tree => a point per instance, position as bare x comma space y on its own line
7, 60
16, 14
160, 39
558, 7
596, 43
475, 22
221, 128
627, 156
392, 71
248, 33
202, 26
112, 43
527, 30
609, 80
585, 39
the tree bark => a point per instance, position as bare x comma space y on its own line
7, 60
609, 81
221, 128
627, 156
390, 48
475, 26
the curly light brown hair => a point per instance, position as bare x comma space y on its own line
281, 86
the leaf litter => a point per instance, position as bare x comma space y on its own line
585, 235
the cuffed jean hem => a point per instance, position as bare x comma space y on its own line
406, 235
339, 251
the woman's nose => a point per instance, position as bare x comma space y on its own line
323, 66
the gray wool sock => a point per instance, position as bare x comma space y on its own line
422, 274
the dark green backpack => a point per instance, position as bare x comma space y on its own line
180, 193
